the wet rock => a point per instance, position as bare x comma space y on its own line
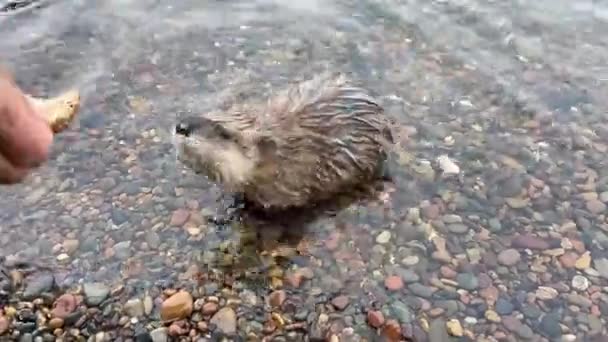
134, 307
421, 290
492, 316
430, 212
64, 306
393, 283
516, 326
95, 293
225, 321
119, 216
584, 262
209, 308
401, 311
408, 276
494, 225
454, 328
71, 245
568, 260
580, 283
375, 318
4, 325
509, 257
179, 217
178, 306
56, 323
122, 250
530, 242
601, 266
579, 300
159, 335
458, 228
38, 284
546, 293
504, 307
340, 302
595, 206
277, 298
384, 237
549, 326
467, 281
438, 331
392, 330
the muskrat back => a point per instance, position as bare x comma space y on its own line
307, 143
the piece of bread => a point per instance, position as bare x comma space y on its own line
60, 110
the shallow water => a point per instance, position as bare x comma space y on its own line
513, 92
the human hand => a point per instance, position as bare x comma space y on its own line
25, 136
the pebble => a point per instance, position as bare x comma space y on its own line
4, 324
95, 293
134, 307
514, 325
209, 308
438, 331
421, 290
580, 283
549, 326
579, 300
56, 323
583, 262
64, 306
509, 257
277, 298
340, 302
179, 217
595, 206
71, 245
546, 293
467, 281
375, 318
225, 321
504, 307
384, 237
178, 306
601, 266
401, 312
159, 335
393, 283
447, 165
122, 250
454, 328
568, 260
38, 284
392, 330
408, 276
458, 228
492, 316
530, 242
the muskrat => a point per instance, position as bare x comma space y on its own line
311, 141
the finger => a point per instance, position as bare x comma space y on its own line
10, 174
25, 138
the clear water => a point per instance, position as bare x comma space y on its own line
507, 89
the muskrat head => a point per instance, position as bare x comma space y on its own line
220, 152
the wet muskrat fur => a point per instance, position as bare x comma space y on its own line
315, 139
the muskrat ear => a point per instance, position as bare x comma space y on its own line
266, 146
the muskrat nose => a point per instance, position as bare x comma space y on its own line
183, 128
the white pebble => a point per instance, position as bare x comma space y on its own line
447, 165
62, 257
470, 320
383, 237
580, 283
